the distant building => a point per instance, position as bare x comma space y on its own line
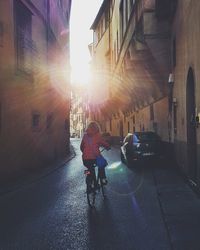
34, 83
79, 111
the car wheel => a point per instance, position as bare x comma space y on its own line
129, 161
122, 157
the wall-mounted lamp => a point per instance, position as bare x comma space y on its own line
171, 78
174, 101
197, 120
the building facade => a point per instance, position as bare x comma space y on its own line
186, 88
154, 69
100, 64
34, 83
139, 65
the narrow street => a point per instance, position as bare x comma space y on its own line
132, 69
52, 213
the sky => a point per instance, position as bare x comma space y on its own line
83, 13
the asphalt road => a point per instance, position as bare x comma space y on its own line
52, 212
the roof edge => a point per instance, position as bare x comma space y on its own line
99, 15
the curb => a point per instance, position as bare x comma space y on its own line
12, 187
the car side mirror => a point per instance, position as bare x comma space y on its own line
197, 120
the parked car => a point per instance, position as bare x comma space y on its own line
141, 145
107, 137
73, 135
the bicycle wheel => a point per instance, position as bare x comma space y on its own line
91, 194
102, 187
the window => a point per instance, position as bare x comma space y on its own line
60, 4
175, 119
67, 15
98, 32
146, 136
112, 2
155, 126
24, 43
117, 42
49, 121
121, 11
110, 124
151, 112
174, 53
163, 9
106, 18
35, 121
0, 118
67, 125
115, 53
131, 4
133, 119
102, 27
126, 12
1, 34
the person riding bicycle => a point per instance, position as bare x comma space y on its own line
89, 146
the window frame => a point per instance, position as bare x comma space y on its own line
24, 45
36, 127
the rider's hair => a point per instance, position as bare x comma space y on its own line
94, 126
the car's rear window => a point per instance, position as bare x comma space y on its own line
145, 137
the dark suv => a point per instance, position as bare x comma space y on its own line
141, 145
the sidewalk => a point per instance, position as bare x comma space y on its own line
34, 175
180, 206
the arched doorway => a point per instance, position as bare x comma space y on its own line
191, 126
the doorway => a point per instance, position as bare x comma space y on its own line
121, 130
191, 126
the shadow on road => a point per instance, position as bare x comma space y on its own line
103, 232
151, 164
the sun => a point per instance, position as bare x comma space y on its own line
80, 74
81, 36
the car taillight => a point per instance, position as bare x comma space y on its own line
86, 172
138, 145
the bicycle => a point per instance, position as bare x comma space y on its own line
93, 185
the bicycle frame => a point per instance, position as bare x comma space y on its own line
101, 185
91, 193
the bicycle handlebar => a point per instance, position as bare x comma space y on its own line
103, 149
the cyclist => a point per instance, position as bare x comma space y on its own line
90, 144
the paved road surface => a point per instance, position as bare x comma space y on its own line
52, 213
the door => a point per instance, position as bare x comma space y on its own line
121, 130
191, 126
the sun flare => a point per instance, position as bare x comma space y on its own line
80, 74
80, 37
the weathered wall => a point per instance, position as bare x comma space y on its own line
186, 31
22, 95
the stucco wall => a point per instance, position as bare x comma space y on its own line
186, 30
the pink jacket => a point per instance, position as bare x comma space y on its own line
90, 145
